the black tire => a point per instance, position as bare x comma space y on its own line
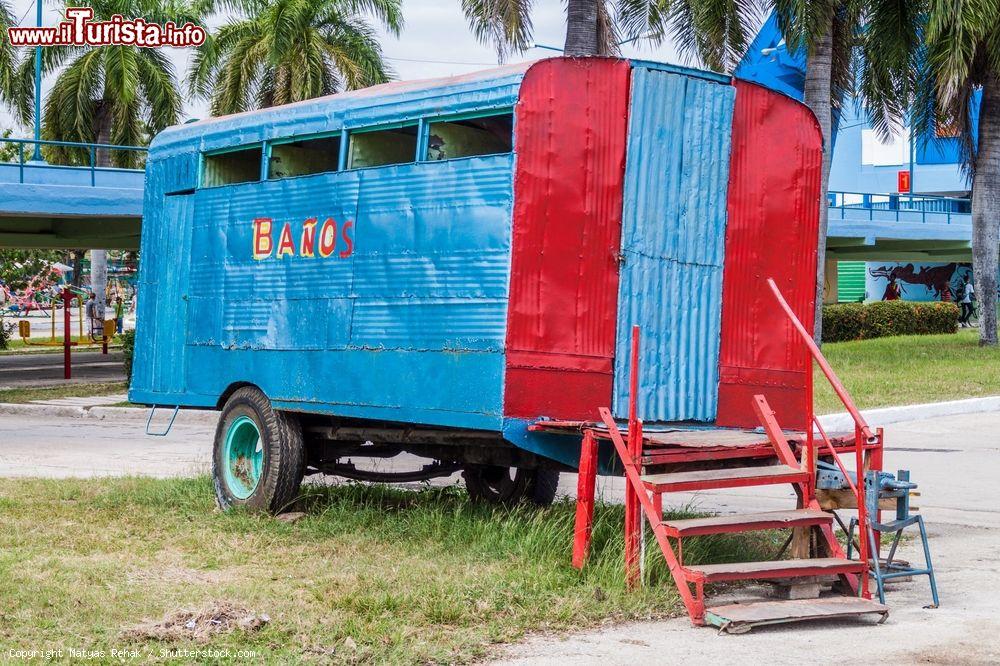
510, 485
282, 447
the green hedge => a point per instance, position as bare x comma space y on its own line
861, 321
128, 350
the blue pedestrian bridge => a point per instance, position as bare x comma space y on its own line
76, 207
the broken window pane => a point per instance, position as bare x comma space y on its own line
488, 135
304, 157
234, 166
382, 147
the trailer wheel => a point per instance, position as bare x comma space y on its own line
510, 485
259, 455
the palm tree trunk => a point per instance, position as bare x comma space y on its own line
99, 258
817, 90
581, 28
986, 211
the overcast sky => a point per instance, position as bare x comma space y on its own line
435, 42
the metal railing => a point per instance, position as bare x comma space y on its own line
864, 436
91, 148
901, 207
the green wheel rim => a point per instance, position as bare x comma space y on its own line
243, 457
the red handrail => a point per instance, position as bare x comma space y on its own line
861, 431
831, 376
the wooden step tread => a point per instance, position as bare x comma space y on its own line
740, 618
819, 566
745, 522
732, 477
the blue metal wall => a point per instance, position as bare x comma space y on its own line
673, 234
416, 314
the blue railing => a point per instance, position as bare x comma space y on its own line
91, 149
898, 207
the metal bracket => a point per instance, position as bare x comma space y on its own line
170, 424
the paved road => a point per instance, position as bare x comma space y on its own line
34, 370
956, 460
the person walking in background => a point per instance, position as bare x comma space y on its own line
966, 295
119, 315
90, 310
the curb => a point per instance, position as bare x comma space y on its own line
130, 414
886, 415
831, 422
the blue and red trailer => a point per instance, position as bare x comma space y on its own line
436, 267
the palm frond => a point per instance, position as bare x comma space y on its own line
504, 24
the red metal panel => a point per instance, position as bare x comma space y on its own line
773, 206
570, 145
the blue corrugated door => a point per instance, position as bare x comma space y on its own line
673, 234
165, 271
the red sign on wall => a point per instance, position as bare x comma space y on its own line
902, 181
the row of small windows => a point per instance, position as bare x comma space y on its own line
446, 139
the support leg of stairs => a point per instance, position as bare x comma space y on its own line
585, 489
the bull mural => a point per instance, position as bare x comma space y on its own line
913, 282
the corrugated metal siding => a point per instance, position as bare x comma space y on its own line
673, 237
571, 122
774, 195
850, 281
416, 313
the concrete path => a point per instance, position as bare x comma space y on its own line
955, 459
34, 370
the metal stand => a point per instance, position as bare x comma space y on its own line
881, 485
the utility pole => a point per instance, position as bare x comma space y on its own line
37, 156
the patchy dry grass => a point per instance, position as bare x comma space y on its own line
370, 574
910, 369
19, 395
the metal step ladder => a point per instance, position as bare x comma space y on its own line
820, 557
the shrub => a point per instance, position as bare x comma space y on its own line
861, 321
6, 330
128, 347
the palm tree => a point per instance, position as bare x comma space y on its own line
963, 54
110, 94
280, 51
590, 27
8, 57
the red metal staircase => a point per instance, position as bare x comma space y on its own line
815, 549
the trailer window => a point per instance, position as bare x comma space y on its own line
301, 158
488, 135
235, 166
371, 148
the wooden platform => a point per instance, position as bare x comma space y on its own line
772, 569
668, 443
740, 618
730, 477
746, 522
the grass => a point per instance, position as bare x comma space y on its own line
20, 395
371, 574
910, 369
16, 346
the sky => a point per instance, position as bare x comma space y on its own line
435, 41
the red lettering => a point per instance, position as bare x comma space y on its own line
262, 243
286, 246
308, 245
347, 239
328, 237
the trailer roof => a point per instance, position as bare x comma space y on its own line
388, 102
